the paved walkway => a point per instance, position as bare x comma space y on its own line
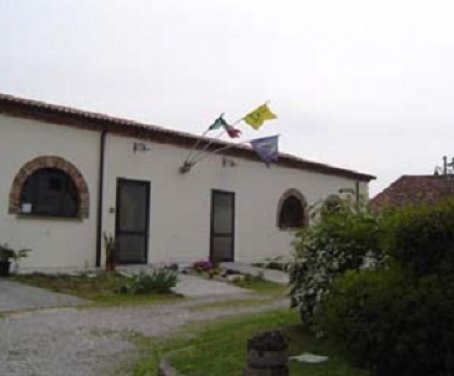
269, 275
17, 296
192, 286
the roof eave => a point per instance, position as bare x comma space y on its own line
25, 108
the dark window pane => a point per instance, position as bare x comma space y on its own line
26, 194
50, 192
55, 184
222, 226
292, 213
223, 213
133, 200
222, 248
131, 248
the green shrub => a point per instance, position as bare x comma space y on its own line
391, 323
398, 318
344, 240
421, 238
159, 281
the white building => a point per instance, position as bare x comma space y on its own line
68, 176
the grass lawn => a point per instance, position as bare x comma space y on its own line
100, 288
219, 348
234, 303
262, 286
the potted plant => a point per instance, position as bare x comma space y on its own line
110, 245
8, 254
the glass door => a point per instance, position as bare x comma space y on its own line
132, 221
222, 237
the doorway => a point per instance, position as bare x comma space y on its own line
222, 234
132, 221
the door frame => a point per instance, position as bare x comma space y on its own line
233, 233
147, 215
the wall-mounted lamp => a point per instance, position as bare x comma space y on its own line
346, 190
140, 146
228, 162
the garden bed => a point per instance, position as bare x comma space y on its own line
98, 287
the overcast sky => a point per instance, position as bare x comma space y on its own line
366, 85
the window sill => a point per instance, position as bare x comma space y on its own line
48, 217
290, 229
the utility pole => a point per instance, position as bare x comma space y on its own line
447, 169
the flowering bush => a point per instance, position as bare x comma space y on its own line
202, 266
334, 243
208, 267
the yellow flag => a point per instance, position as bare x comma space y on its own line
256, 118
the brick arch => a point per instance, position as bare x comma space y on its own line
292, 192
49, 162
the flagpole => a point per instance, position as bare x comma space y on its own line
221, 149
209, 143
194, 147
199, 140
228, 147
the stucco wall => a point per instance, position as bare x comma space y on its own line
180, 204
54, 242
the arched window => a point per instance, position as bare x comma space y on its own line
292, 210
49, 192
49, 186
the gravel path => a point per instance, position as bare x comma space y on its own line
16, 296
70, 341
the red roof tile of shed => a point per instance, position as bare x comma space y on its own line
56, 114
415, 189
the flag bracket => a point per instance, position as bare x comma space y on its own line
186, 167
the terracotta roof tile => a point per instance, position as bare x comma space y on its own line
415, 189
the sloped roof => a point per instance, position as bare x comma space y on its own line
62, 115
415, 189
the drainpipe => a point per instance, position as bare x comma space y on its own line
358, 195
102, 148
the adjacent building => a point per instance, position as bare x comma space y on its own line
415, 189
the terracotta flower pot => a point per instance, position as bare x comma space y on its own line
267, 359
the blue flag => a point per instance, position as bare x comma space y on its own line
266, 148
